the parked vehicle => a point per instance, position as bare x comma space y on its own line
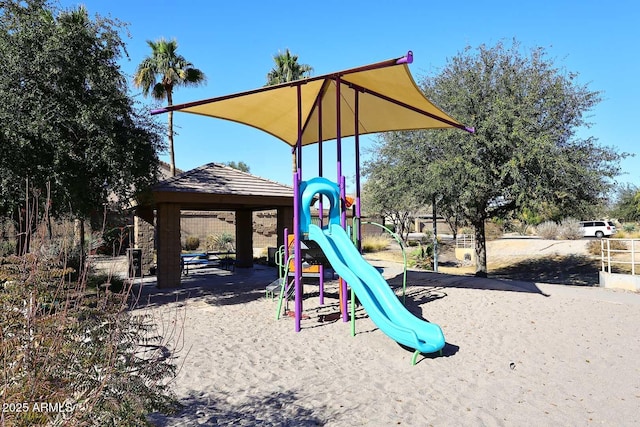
597, 229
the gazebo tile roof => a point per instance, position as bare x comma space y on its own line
216, 178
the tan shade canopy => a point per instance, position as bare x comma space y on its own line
387, 99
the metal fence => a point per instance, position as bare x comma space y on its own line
621, 255
465, 241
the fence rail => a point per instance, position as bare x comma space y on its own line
465, 241
623, 256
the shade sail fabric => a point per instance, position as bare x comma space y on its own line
387, 96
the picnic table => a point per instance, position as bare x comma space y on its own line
207, 259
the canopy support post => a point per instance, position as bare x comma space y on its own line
296, 213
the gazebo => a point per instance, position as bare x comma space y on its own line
211, 187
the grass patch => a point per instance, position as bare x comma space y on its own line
594, 247
374, 243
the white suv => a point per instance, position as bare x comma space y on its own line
597, 229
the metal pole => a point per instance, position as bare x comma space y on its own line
435, 235
358, 213
343, 220
296, 219
320, 207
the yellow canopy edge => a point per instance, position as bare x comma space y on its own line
388, 100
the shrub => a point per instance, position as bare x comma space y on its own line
106, 281
220, 242
7, 247
114, 241
569, 229
64, 342
422, 257
548, 230
520, 227
191, 243
629, 228
374, 243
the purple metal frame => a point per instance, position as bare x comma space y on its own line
320, 210
358, 230
296, 218
338, 80
340, 178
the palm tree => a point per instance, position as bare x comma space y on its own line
287, 69
160, 73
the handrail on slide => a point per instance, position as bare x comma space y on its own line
283, 278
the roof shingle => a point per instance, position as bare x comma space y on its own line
216, 178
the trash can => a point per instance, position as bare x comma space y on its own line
271, 256
134, 256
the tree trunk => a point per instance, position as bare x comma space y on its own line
481, 249
23, 236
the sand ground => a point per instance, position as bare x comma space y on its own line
518, 353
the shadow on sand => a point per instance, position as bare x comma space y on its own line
244, 409
576, 270
215, 286
442, 281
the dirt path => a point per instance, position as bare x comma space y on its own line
520, 258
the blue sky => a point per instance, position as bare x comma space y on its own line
234, 42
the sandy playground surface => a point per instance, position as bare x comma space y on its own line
517, 354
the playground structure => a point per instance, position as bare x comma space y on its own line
374, 98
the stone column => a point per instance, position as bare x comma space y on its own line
144, 239
285, 220
244, 238
169, 248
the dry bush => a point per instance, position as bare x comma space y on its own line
76, 348
629, 231
374, 243
569, 229
594, 247
548, 230
191, 243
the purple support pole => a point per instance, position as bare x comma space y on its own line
286, 245
296, 219
357, 223
345, 298
285, 258
296, 246
339, 137
344, 308
320, 210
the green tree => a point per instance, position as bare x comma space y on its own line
384, 195
160, 73
67, 124
242, 166
525, 152
627, 205
287, 69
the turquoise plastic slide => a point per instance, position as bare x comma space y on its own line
376, 296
